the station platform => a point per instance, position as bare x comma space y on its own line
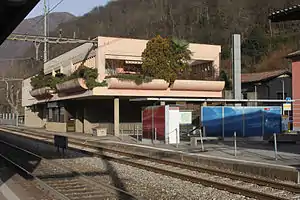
219, 154
287, 153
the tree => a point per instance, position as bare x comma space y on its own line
165, 58
256, 45
224, 77
13, 96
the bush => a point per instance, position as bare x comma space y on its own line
137, 78
165, 58
89, 74
41, 81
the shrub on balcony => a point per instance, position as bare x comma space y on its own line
40, 81
137, 78
88, 74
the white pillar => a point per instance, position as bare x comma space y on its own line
117, 116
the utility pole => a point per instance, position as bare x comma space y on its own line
45, 31
236, 66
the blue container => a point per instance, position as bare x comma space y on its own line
245, 121
212, 120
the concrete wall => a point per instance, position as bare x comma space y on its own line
296, 94
33, 118
90, 62
27, 99
65, 61
120, 49
56, 127
131, 49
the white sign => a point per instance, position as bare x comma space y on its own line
185, 117
287, 107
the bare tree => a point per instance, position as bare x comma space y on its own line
13, 96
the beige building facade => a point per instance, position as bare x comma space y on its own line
109, 107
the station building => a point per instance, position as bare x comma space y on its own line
74, 108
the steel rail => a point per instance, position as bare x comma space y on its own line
222, 173
81, 176
54, 193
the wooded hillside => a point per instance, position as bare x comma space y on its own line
201, 21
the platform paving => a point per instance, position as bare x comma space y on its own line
252, 157
288, 154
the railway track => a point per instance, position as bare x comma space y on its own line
236, 183
61, 182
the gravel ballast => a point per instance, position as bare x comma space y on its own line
142, 183
146, 184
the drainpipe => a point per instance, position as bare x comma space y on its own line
255, 93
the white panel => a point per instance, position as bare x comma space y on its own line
173, 126
185, 117
167, 124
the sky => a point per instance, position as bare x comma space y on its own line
75, 7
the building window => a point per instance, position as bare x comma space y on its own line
203, 71
50, 115
56, 114
62, 115
280, 97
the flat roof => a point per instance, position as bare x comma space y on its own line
212, 100
287, 14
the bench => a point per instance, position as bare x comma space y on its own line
194, 140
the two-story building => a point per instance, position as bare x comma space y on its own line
74, 105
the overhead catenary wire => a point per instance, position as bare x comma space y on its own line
47, 13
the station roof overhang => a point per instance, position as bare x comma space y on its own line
287, 14
211, 100
12, 13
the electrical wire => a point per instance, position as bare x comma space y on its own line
47, 13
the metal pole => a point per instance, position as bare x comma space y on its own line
176, 138
283, 97
201, 140
17, 119
255, 92
137, 135
275, 146
155, 135
45, 31
234, 136
152, 122
133, 130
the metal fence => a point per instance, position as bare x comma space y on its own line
11, 119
